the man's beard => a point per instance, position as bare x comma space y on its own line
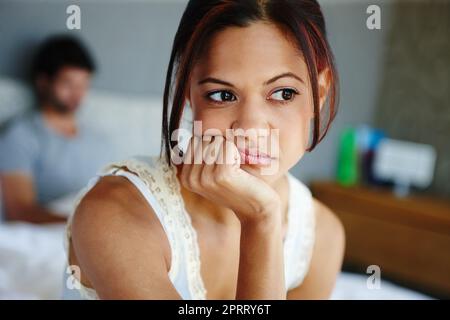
59, 106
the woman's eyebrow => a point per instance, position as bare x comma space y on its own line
215, 80
283, 75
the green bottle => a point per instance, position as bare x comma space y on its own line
347, 169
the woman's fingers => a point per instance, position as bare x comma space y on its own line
190, 170
211, 150
228, 163
197, 163
210, 154
209, 163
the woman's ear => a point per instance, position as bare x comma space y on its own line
324, 82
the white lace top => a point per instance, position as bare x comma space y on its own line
158, 183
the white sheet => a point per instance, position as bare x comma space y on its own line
350, 286
32, 261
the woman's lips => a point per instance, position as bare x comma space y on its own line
254, 157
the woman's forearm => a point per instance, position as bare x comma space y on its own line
261, 262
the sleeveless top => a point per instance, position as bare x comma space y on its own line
158, 183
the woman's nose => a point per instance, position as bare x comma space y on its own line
251, 121
251, 114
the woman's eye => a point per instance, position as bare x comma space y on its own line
222, 96
284, 94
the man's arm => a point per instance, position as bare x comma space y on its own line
19, 200
19, 150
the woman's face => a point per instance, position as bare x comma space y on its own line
254, 78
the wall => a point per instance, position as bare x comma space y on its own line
132, 41
414, 99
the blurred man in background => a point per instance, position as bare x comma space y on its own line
47, 154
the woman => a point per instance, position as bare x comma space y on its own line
173, 227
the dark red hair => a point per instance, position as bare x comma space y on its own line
302, 20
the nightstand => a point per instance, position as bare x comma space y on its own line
408, 238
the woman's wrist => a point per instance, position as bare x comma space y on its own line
268, 219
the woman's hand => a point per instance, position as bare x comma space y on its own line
213, 171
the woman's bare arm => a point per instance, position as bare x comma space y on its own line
120, 244
326, 259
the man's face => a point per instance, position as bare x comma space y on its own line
66, 89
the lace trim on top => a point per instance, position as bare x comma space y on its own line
195, 281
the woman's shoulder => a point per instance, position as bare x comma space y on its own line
111, 212
111, 200
112, 230
112, 204
114, 189
328, 224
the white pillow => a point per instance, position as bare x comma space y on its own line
134, 122
15, 97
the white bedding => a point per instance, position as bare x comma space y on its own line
32, 262
350, 286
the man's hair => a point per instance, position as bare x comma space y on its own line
60, 51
